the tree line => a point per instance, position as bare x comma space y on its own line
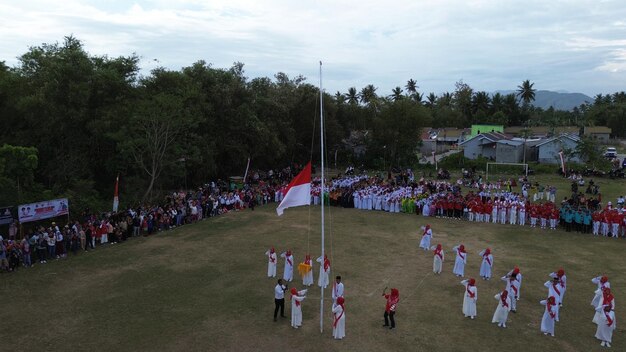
74, 121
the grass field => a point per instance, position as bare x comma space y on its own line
204, 288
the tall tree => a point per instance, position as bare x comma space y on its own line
526, 92
411, 86
396, 94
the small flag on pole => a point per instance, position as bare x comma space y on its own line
116, 199
298, 191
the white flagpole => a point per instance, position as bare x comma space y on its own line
246, 174
322, 180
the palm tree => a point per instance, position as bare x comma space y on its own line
396, 94
480, 102
417, 97
431, 100
340, 98
352, 96
525, 92
445, 100
497, 103
411, 86
368, 94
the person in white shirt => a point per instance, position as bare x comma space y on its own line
562, 278
296, 307
339, 319
271, 262
279, 299
337, 289
502, 310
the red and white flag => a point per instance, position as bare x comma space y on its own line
298, 191
116, 199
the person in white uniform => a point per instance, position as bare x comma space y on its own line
606, 325
339, 319
438, 257
549, 316
487, 264
601, 282
296, 307
288, 273
271, 262
470, 296
426, 237
324, 271
337, 289
459, 262
307, 279
502, 310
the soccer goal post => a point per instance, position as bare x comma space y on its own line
492, 165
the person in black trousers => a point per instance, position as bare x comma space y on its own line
279, 299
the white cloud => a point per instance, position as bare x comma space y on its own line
490, 44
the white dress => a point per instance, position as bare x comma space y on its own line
547, 321
437, 261
459, 262
296, 308
339, 322
598, 293
307, 279
288, 274
469, 302
554, 291
426, 237
486, 265
271, 264
323, 278
598, 316
502, 312
604, 332
562, 286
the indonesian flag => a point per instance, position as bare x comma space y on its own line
116, 199
298, 191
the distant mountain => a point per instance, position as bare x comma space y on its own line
561, 100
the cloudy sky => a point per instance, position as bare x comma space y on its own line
576, 46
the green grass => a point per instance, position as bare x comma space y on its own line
204, 288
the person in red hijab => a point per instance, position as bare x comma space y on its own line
339, 319
296, 307
459, 262
390, 307
549, 316
271, 262
438, 257
502, 310
470, 296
